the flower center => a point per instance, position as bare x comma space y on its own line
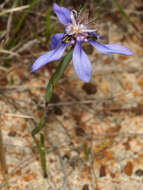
78, 29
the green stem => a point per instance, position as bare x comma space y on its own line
57, 75
41, 146
49, 91
43, 154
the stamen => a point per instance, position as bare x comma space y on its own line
75, 13
90, 30
92, 20
78, 29
72, 17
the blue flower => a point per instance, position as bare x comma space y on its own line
76, 32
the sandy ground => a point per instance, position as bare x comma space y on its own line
94, 138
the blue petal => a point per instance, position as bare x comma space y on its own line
97, 36
111, 48
63, 14
52, 55
81, 63
56, 40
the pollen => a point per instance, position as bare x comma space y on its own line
76, 29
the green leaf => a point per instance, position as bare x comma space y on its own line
40, 125
57, 75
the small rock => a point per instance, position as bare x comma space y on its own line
139, 172
89, 88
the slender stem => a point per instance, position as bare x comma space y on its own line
41, 146
57, 75
43, 154
49, 91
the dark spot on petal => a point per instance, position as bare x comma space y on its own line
89, 88
139, 172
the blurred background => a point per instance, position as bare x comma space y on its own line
93, 131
